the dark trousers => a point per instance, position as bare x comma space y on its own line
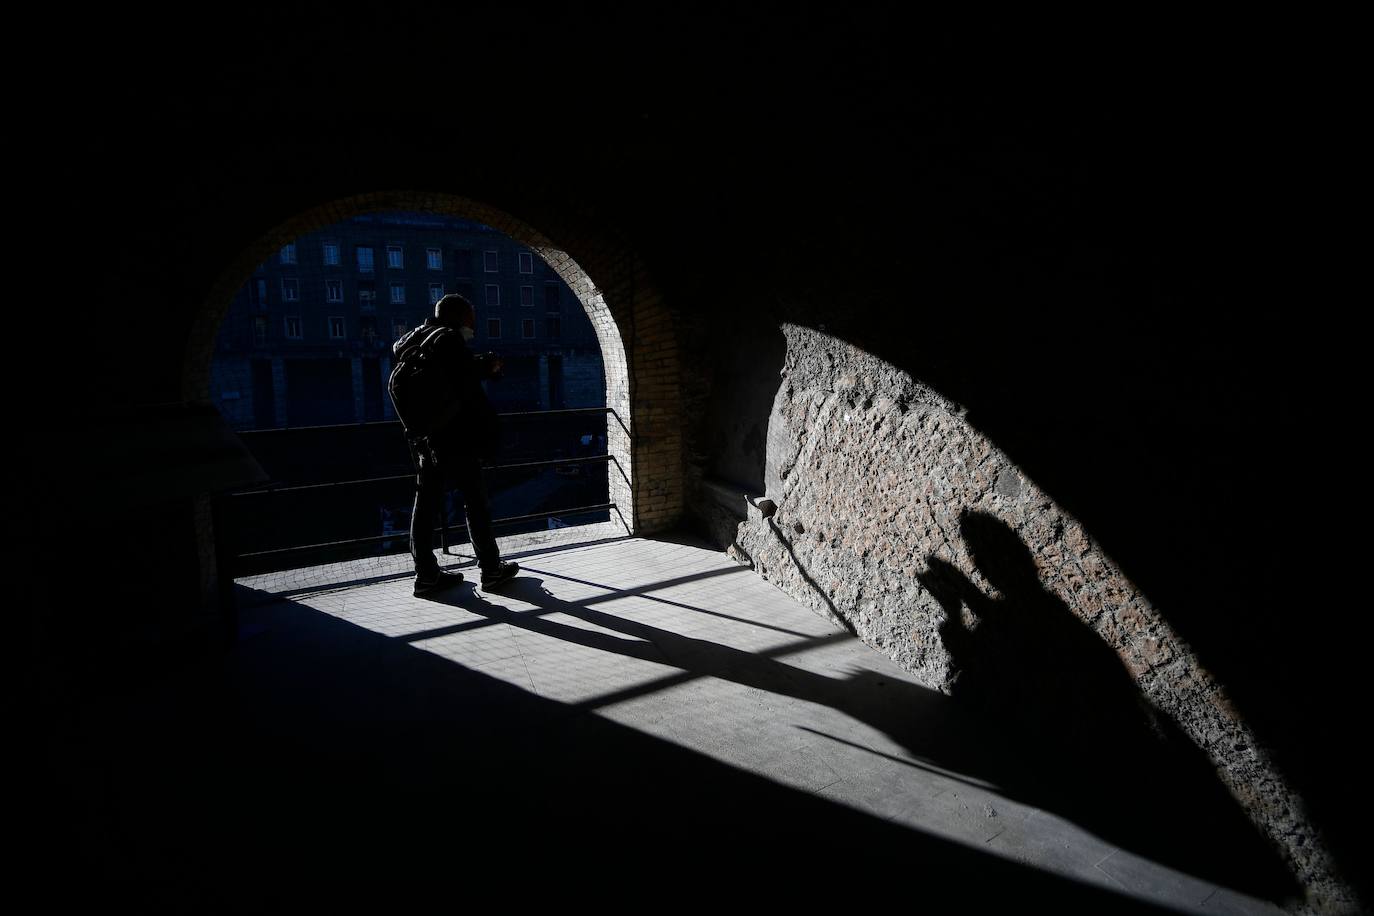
461, 469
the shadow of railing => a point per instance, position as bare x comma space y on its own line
323, 761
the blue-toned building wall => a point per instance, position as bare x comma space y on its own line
313, 360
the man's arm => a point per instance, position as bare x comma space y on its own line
469, 371
488, 365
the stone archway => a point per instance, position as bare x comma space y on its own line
633, 329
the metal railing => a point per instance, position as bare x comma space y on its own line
397, 423
235, 562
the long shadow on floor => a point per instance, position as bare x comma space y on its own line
325, 763
1158, 799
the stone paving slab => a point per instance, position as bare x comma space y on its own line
1055, 845
676, 640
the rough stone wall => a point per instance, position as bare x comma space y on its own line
876, 477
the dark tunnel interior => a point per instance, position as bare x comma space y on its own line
1086, 237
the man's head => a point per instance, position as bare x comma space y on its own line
455, 311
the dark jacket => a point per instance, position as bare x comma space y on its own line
473, 428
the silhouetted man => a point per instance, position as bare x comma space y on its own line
454, 451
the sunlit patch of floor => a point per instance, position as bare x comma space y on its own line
679, 642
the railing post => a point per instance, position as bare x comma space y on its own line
443, 524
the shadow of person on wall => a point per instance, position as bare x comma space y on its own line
1102, 755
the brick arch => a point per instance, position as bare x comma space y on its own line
633, 327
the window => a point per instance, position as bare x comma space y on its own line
331, 254
336, 327
288, 253
436, 292
367, 329
333, 290
527, 328
399, 326
395, 258
490, 262
493, 294
462, 261
293, 327
527, 295
367, 298
434, 259
290, 289
526, 262
555, 325
259, 294
260, 330
551, 298
364, 259
493, 328
398, 294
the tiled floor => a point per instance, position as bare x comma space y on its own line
674, 640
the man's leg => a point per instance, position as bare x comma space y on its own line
466, 472
429, 488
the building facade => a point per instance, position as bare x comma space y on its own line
307, 340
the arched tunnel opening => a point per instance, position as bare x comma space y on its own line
301, 360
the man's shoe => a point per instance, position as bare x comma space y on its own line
500, 575
428, 585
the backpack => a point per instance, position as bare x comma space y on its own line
421, 386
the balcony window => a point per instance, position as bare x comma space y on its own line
367, 299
